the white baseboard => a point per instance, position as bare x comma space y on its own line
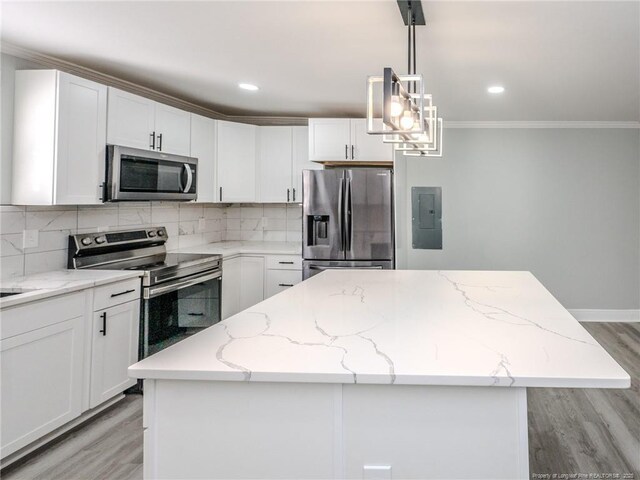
592, 315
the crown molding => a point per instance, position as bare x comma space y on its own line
48, 61
540, 124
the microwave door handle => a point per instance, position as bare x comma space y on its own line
189, 178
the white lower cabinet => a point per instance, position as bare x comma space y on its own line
114, 349
277, 281
41, 355
250, 279
230, 287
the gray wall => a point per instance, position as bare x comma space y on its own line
561, 203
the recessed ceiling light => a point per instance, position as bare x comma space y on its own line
495, 89
248, 86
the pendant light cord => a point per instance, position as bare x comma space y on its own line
411, 45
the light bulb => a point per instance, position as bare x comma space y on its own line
396, 106
406, 122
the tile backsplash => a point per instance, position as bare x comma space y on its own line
187, 224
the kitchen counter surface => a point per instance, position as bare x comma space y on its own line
58, 282
403, 327
234, 248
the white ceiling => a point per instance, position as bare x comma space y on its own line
558, 60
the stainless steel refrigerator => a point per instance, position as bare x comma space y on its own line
347, 217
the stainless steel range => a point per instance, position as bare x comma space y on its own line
181, 293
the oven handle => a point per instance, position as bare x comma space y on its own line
152, 292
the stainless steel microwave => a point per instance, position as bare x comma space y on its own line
135, 174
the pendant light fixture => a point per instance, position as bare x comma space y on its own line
409, 119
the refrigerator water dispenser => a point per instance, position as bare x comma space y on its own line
318, 229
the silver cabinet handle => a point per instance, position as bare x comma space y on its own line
189, 178
153, 141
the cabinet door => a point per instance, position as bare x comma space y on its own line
114, 349
236, 162
82, 138
41, 375
300, 161
274, 164
130, 120
252, 281
231, 282
367, 147
173, 130
329, 139
203, 147
279, 280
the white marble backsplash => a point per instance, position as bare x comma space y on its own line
187, 224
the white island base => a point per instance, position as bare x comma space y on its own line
216, 430
368, 374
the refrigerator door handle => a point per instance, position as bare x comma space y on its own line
341, 213
348, 221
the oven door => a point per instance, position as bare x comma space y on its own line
174, 310
134, 174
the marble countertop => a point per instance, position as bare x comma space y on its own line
233, 248
57, 282
398, 326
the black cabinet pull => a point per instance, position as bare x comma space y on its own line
352, 155
285, 285
104, 324
122, 293
153, 141
346, 152
288, 195
294, 194
160, 142
196, 314
220, 193
285, 263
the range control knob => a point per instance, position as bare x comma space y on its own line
152, 233
161, 233
100, 240
86, 241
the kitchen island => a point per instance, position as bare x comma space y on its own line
368, 374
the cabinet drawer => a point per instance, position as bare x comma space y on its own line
116, 293
279, 280
41, 313
284, 262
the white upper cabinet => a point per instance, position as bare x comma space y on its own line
236, 147
283, 153
203, 147
329, 139
173, 130
59, 139
131, 120
275, 145
368, 148
135, 121
301, 160
345, 140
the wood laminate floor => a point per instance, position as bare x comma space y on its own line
571, 431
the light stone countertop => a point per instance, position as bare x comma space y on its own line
58, 282
233, 248
405, 327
